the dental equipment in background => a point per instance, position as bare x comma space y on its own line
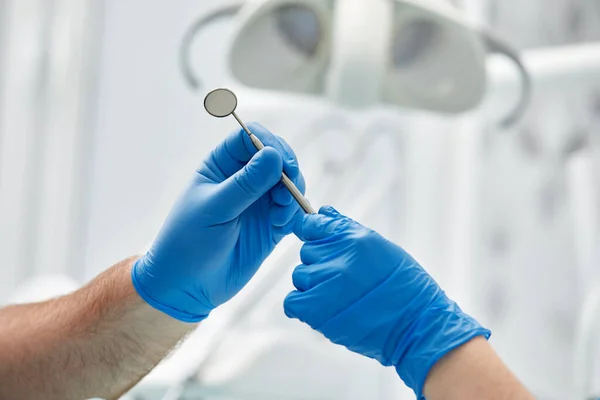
496, 45
222, 103
437, 59
587, 346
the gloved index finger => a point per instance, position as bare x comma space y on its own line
238, 149
230, 155
290, 162
311, 227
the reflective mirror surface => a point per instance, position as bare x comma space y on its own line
220, 103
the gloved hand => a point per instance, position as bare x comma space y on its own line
367, 294
222, 227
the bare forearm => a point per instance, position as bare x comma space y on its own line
96, 342
473, 371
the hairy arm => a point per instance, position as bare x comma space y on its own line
473, 371
96, 342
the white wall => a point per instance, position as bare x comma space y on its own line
47, 51
152, 130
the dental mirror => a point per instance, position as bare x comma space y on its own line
221, 103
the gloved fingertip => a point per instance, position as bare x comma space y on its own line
273, 153
288, 227
281, 195
289, 304
255, 179
301, 183
298, 225
290, 163
289, 313
263, 134
266, 166
301, 278
283, 216
329, 211
258, 127
315, 227
248, 145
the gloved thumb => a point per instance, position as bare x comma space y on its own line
255, 179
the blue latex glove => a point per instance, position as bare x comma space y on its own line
222, 227
367, 294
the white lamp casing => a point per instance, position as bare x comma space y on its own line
408, 53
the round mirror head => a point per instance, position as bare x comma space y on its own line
220, 103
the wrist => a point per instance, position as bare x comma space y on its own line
110, 304
172, 301
473, 371
440, 329
127, 324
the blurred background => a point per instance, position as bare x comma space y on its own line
402, 113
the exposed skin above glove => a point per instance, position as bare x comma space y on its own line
223, 226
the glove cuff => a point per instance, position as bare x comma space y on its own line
436, 333
170, 311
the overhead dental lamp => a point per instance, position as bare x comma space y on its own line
417, 54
